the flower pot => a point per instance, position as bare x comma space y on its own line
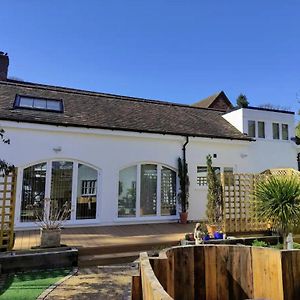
211, 229
206, 237
50, 237
218, 235
183, 217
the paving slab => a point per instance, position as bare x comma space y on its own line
103, 282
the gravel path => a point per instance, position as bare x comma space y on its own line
103, 282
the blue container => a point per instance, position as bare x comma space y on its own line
206, 237
218, 236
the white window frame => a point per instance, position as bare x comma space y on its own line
205, 187
288, 133
158, 215
257, 135
73, 220
255, 128
279, 131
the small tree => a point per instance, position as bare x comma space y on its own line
5, 167
184, 183
214, 208
278, 201
242, 101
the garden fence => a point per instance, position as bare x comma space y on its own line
7, 209
239, 211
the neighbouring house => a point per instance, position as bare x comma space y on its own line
217, 101
114, 158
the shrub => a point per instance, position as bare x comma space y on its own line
278, 201
257, 243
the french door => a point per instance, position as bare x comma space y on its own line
65, 183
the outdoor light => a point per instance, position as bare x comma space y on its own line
57, 149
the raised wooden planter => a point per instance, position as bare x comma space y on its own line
224, 272
61, 257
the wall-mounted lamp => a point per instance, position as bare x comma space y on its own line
56, 149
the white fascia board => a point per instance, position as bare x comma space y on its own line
110, 132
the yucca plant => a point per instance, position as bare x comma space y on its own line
277, 200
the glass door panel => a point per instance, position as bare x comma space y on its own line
61, 185
86, 193
33, 192
168, 192
127, 192
148, 190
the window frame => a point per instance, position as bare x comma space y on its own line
278, 125
138, 215
254, 123
220, 168
287, 131
73, 220
19, 98
264, 129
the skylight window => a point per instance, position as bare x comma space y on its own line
39, 103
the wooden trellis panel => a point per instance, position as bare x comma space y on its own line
7, 209
282, 172
238, 205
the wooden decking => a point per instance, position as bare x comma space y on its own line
101, 236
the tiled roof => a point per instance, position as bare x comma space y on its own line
106, 111
212, 102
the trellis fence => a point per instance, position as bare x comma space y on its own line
239, 211
7, 209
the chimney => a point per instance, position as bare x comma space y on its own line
4, 62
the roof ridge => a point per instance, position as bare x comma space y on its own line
99, 94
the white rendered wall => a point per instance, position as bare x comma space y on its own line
111, 151
239, 119
236, 119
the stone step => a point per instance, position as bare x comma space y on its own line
107, 259
113, 249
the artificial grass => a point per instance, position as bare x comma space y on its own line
29, 285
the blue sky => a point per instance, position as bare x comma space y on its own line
179, 51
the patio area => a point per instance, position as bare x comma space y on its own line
110, 236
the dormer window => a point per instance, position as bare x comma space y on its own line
39, 103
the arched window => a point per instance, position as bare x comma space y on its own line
147, 190
33, 192
64, 182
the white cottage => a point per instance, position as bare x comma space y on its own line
114, 158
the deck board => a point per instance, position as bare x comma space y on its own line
98, 236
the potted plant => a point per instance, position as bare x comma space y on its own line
214, 208
183, 194
50, 222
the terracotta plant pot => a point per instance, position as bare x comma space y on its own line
183, 217
211, 229
50, 237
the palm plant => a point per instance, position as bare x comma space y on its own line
278, 201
